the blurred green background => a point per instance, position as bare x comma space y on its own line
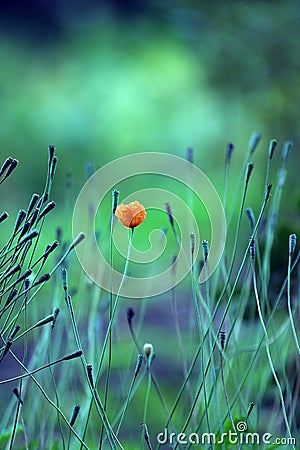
101, 80
105, 79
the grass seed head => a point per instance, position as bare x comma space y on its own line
3, 216
254, 140
205, 249
222, 339
272, 146
170, 215
77, 240
292, 243
74, 414
249, 170
252, 248
192, 242
285, 151
250, 217
189, 155
229, 152
115, 200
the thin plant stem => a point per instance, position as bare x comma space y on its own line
55, 392
147, 396
226, 394
154, 381
21, 381
199, 323
113, 312
39, 287
290, 304
111, 436
128, 398
30, 374
180, 344
221, 323
109, 319
268, 351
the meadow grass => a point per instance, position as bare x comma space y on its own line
104, 372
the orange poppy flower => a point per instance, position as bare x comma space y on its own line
131, 215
